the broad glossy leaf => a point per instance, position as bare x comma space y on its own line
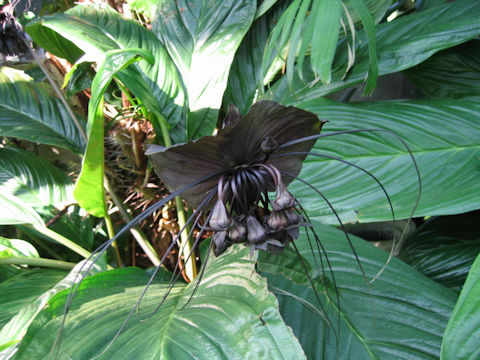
463, 330
444, 136
454, 72
42, 289
401, 315
15, 211
444, 248
16, 247
89, 190
33, 179
401, 44
232, 315
97, 31
202, 37
29, 111
24, 288
246, 71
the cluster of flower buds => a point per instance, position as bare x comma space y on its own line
243, 213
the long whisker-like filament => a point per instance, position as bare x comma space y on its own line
321, 250
415, 165
387, 196
340, 222
93, 258
152, 277
310, 280
175, 277
200, 276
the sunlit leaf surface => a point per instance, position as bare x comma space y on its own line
202, 37
29, 111
231, 316
33, 179
444, 137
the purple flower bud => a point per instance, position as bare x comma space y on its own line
277, 220
220, 241
284, 200
220, 219
256, 232
237, 232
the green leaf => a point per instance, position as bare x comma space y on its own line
33, 179
463, 330
427, 4
97, 31
324, 23
444, 248
369, 26
16, 247
23, 289
75, 225
144, 6
401, 315
232, 315
246, 71
454, 72
443, 135
42, 288
15, 211
29, 111
376, 9
401, 44
89, 190
202, 37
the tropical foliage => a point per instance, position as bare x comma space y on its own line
87, 86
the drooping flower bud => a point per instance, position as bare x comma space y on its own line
220, 219
220, 241
283, 200
237, 232
277, 220
256, 232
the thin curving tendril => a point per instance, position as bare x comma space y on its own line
95, 256
415, 165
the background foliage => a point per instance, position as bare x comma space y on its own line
102, 80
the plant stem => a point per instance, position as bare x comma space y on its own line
111, 234
60, 239
185, 241
135, 231
41, 262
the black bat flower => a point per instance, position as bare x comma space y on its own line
250, 157
239, 178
